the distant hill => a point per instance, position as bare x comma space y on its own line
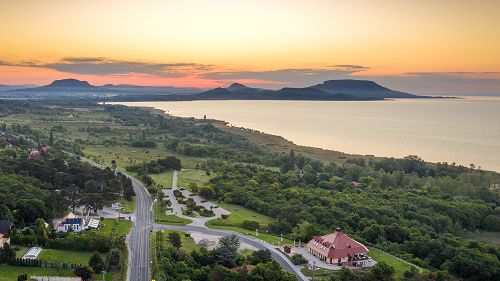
69, 83
360, 88
13, 87
60, 88
329, 90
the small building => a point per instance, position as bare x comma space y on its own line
32, 253
338, 248
71, 221
35, 155
287, 249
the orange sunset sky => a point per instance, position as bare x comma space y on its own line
420, 46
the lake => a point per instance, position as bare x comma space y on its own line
440, 130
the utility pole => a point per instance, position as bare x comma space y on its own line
314, 269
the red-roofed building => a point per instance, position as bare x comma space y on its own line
338, 248
35, 155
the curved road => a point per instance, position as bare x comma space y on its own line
259, 244
139, 262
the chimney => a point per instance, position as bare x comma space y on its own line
338, 229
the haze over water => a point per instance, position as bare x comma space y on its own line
449, 130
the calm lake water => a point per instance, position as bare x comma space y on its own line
453, 130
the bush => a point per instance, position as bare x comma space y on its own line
251, 225
298, 259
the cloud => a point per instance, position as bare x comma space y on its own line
452, 73
352, 67
443, 83
106, 66
291, 76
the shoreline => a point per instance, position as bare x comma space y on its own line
280, 144
273, 142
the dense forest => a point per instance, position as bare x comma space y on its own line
404, 206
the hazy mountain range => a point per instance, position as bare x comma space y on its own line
329, 90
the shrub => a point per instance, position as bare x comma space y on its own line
298, 259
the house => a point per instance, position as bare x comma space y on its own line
5, 226
71, 221
3, 240
338, 248
35, 155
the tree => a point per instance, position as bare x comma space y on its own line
298, 259
220, 273
7, 253
73, 196
373, 233
84, 272
271, 271
113, 165
260, 256
96, 262
51, 138
41, 232
381, 272
206, 192
492, 223
115, 256
305, 231
345, 274
251, 225
227, 249
175, 240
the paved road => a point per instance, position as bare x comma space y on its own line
139, 268
259, 244
139, 262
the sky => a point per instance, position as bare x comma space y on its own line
418, 46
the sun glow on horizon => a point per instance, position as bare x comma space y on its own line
389, 38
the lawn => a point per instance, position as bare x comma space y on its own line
236, 218
123, 226
128, 207
60, 256
162, 218
188, 244
192, 175
240, 214
399, 266
320, 274
10, 273
163, 179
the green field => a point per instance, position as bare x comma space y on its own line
188, 243
240, 214
163, 179
399, 266
188, 176
123, 226
162, 218
236, 218
60, 256
10, 273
